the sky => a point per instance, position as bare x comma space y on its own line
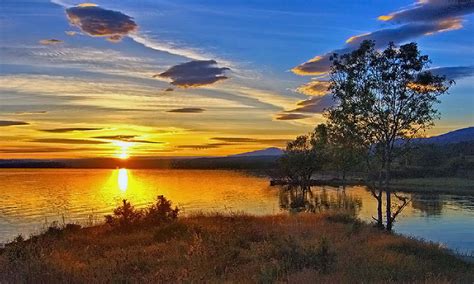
139, 78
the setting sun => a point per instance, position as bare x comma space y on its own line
123, 151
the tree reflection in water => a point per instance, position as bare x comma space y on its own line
305, 199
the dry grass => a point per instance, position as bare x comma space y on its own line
233, 248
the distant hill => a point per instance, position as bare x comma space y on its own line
456, 136
272, 151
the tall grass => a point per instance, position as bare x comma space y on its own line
324, 247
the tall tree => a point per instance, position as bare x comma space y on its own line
386, 98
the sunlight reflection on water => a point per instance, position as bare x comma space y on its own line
122, 179
33, 198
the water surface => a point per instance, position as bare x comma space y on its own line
33, 198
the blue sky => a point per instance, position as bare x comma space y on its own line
56, 74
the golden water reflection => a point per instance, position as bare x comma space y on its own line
122, 179
32, 198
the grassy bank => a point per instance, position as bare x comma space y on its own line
238, 248
435, 185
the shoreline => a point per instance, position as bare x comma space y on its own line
448, 185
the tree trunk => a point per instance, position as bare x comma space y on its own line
379, 196
379, 210
389, 194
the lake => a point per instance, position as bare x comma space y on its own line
34, 198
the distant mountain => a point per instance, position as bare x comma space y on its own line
456, 136
272, 151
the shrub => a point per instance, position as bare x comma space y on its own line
161, 211
124, 216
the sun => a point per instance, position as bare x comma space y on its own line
123, 152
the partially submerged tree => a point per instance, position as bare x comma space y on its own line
298, 162
385, 98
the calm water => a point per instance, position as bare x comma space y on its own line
33, 198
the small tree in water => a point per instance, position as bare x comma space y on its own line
385, 98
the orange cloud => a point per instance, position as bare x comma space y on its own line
314, 88
291, 116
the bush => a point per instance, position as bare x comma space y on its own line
124, 216
161, 211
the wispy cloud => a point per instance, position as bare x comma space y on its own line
12, 123
321, 64
291, 116
315, 104
126, 138
67, 141
30, 112
51, 41
431, 10
169, 47
187, 110
314, 88
454, 72
205, 146
70, 129
250, 140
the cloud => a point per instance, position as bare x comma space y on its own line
321, 64
314, 104
454, 73
126, 138
249, 140
291, 116
96, 21
314, 88
187, 110
116, 137
195, 73
426, 17
67, 141
12, 123
30, 112
64, 130
205, 146
51, 41
431, 10
29, 149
